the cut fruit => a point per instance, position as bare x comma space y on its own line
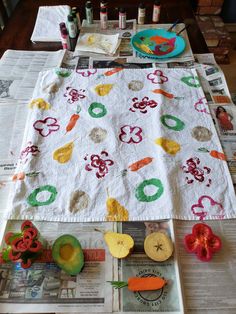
158, 246
120, 245
68, 255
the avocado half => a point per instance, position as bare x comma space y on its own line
67, 254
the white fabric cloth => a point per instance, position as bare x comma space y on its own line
124, 116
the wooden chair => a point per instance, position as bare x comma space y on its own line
3, 14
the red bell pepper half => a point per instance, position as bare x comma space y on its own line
202, 241
26, 224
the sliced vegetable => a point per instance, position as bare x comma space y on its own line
140, 163
26, 224
140, 283
202, 241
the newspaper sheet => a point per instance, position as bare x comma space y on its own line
169, 299
224, 116
209, 287
45, 288
213, 74
19, 71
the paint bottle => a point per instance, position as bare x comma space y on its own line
156, 11
71, 26
122, 18
65, 40
141, 13
89, 12
103, 18
78, 21
75, 21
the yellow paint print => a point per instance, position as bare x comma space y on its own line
170, 147
116, 212
64, 153
103, 89
40, 103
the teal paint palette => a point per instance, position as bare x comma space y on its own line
158, 44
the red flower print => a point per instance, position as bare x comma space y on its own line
73, 94
100, 164
130, 134
157, 77
143, 104
86, 73
47, 126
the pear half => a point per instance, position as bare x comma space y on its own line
120, 245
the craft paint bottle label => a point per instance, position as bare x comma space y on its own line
103, 18
156, 11
141, 13
71, 26
89, 12
122, 18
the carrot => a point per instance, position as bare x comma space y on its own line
145, 283
164, 93
111, 72
140, 163
72, 122
219, 155
140, 284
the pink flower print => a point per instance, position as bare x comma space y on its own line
47, 126
206, 205
100, 163
201, 105
143, 104
73, 94
86, 73
130, 134
157, 77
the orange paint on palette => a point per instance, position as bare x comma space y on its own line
158, 39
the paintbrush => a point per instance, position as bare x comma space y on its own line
186, 27
172, 26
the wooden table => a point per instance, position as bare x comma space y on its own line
17, 32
